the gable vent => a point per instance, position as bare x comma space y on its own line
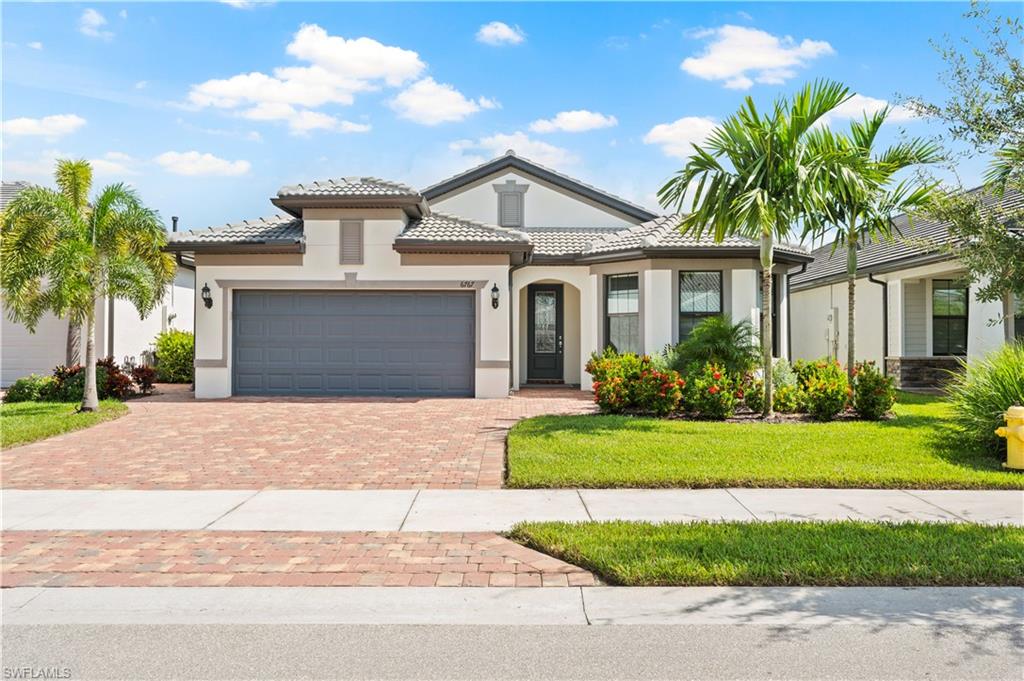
351, 242
510, 209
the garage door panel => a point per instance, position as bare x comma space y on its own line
353, 343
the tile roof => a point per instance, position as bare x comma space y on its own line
911, 240
349, 187
9, 190
663, 233
555, 241
512, 160
276, 229
442, 227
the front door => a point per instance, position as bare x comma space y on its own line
545, 332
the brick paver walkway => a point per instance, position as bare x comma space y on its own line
176, 442
207, 558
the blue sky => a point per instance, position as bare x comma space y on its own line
208, 108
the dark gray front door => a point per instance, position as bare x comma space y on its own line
544, 332
353, 343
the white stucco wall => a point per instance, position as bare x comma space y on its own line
380, 264
23, 353
132, 335
544, 204
820, 317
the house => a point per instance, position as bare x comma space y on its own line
120, 333
506, 274
914, 314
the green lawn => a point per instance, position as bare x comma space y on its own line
915, 450
23, 422
846, 553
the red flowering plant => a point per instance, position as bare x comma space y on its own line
713, 394
658, 392
873, 392
631, 382
827, 390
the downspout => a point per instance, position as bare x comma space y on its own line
789, 311
177, 255
885, 321
527, 260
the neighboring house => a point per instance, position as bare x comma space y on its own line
506, 274
120, 333
914, 314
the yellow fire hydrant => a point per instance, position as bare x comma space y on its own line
1013, 431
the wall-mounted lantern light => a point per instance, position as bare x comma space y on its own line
494, 296
207, 298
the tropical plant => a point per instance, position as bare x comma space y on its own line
62, 254
754, 177
860, 195
827, 391
789, 399
982, 392
713, 394
720, 341
175, 352
874, 393
31, 388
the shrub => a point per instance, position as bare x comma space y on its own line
713, 394
69, 382
629, 381
783, 374
716, 340
788, 399
983, 391
118, 384
753, 395
175, 357
873, 392
658, 392
31, 388
827, 390
144, 377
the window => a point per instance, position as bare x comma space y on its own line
351, 242
622, 312
949, 317
700, 297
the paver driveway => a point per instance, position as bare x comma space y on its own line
256, 443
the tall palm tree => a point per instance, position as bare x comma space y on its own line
860, 195
754, 177
61, 254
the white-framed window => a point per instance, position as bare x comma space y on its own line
622, 312
700, 297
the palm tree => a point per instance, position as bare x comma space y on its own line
754, 177
61, 254
859, 197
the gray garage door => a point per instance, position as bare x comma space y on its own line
353, 343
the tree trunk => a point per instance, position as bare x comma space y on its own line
767, 262
73, 346
851, 294
90, 398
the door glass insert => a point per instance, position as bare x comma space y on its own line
544, 330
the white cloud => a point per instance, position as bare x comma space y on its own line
142, 85
123, 14
496, 145
36, 45
859, 106
194, 163
579, 120
305, 121
676, 138
499, 33
91, 24
114, 163
428, 102
740, 56
338, 69
48, 126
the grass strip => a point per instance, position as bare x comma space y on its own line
24, 422
785, 553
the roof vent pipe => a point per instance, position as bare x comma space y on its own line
174, 223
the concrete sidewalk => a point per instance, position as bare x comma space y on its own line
482, 510
988, 607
